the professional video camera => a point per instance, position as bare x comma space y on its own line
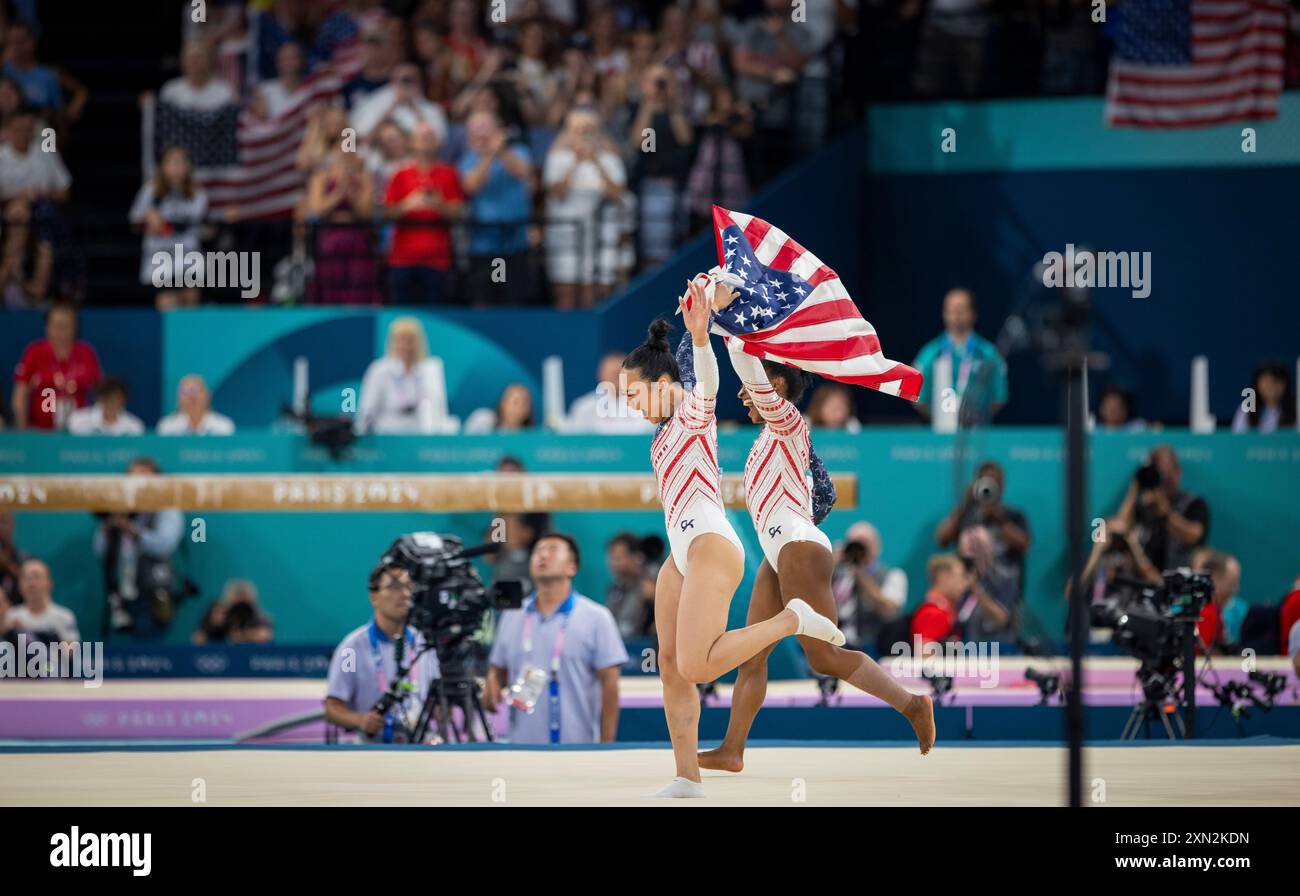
1156, 624
449, 606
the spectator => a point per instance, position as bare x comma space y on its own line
432, 55
236, 618
194, 414
197, 89
405, 391
868, 593
979, 375
325, 126
272, 97
376, 68
717, 173
950, 53
769, 53
988, 610
170, 208
55, 375
1008, 528
514, 411
498, 178
136, 551
660, 166
401, 100
1116, 411
38, 615
389, 150
11, 559
365, 662
33, 182
40, 84
1272, 405
340, 200
423, 197
569, 639
585, 182
108, 416
631, 593
1219, 627
831, 407
11, 100
516, 533
30, 172
935, 621
604, 409
1168, 522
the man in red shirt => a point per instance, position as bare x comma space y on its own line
936, 619
427, 194
55, 374
1290, 612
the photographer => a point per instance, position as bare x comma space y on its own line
565, 640
631, 593
982, 506
236, 618
136, 551
1167, 521
987, 610
365, 662
868, 594
1117, 555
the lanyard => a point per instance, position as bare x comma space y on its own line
553, 690
375, 637
962, 373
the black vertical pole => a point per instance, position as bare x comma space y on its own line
1075, 507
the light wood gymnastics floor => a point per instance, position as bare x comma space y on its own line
1245, 775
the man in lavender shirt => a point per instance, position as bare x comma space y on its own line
570, 640
365, 663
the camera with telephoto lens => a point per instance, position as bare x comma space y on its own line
1154, 624
449, 602
1148, 477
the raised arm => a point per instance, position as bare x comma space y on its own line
783, 419
696, 315
686, 362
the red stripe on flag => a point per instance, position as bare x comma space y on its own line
822, 313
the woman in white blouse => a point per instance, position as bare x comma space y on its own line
405, 391
585, 182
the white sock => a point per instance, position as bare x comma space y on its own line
680, 789
814, 624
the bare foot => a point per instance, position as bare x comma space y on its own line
920, 712
720, 760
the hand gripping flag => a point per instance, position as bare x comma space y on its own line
793, 309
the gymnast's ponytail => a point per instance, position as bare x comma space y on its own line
654, 357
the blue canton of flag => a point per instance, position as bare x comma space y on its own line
767, 297
1155, 32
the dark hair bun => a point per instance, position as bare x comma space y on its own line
658, 338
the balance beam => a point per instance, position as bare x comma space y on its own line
442, 493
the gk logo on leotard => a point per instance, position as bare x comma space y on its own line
687, 524
774, 531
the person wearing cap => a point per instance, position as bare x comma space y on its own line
364, 664
559, 655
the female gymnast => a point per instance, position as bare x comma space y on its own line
706, 563
797, 554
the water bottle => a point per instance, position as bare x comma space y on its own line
525, 691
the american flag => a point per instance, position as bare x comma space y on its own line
793, 309
1191, 63
247, 162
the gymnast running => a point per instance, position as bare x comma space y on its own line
706, 563
785, 512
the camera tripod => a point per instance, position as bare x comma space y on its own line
448, 692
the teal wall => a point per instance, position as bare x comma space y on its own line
311, 567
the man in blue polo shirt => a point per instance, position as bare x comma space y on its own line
364, 664
558, 654
979, 374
